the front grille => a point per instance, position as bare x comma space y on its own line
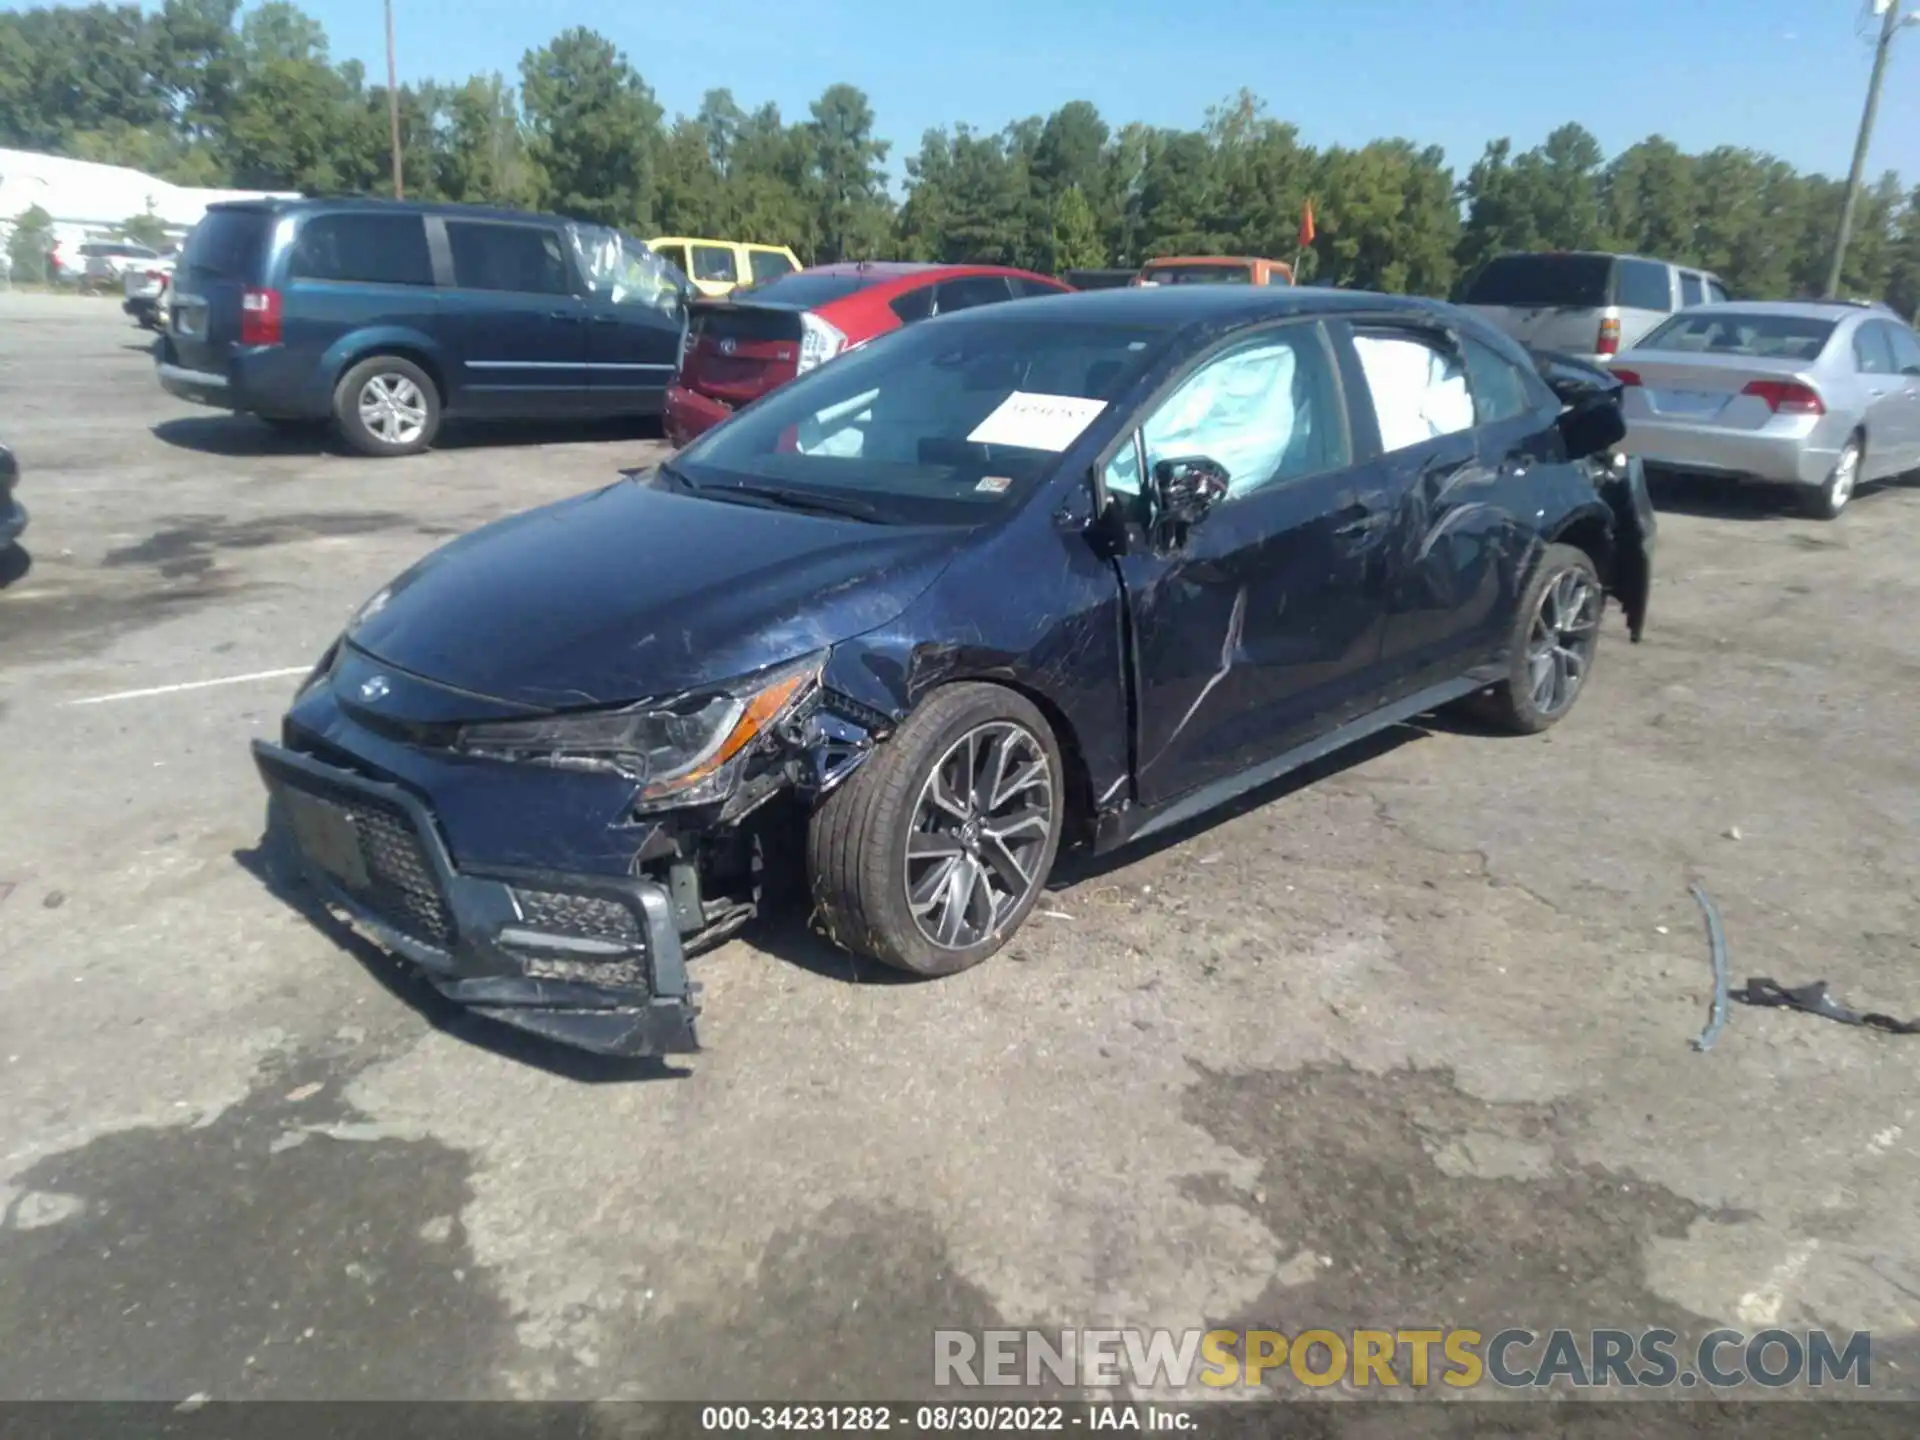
587, 916
404, 892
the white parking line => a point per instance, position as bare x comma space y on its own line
193, 685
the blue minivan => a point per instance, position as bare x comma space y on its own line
386, 317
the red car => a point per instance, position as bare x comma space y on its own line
757, 339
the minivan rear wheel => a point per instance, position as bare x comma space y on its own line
387, 405
932, 853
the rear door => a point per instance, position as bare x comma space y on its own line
228, 251
350, 269
515, 318
1433, 514
1893, 424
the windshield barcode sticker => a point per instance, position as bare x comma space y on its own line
1037, 422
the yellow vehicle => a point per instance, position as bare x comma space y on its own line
717, 266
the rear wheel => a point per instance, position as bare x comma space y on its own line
387, 406
931, 855
1830, 499
1555, 637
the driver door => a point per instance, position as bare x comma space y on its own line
637, 320
1261, 627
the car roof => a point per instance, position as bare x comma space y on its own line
1607, 255
1218, 307
708, 240
372, 204
1835, 310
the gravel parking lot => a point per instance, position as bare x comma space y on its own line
1406, 1042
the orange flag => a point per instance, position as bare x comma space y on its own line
1307, 231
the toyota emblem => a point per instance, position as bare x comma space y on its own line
375, 689
729, 345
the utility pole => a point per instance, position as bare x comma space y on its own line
392, 102
1890, 22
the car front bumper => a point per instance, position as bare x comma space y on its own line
591, 961
1800, 453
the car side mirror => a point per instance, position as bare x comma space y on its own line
1186, 488
1592, 426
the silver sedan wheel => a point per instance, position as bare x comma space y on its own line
980, 830
1560, 646
1846, 475
393, 409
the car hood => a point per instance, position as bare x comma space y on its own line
633, 591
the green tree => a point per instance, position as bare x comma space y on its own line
848, 175
145, 229
28, 245
1076, 233
594, 128
481, 156
1648, 203
1903, 261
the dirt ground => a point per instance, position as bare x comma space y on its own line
1403, 1042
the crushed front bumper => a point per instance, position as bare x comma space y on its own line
589, 961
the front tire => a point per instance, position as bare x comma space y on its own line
1830, 499
931, 855
387, 406
1556, 635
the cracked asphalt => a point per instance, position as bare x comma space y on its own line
1404, 1041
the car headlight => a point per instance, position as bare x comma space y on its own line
683, 752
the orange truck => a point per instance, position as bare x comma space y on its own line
1213, 270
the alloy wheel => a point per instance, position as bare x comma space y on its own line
1846, 474
980, 829
393, 409
1560, 645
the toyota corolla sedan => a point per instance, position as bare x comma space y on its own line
1820, 397
1067, 572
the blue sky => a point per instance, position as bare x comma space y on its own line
1786, 76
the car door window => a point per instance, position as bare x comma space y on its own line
1692, 289
1267, 410
374, 249
523, 259
1872, 352
1906, 349
964, 294
1643, 285
1032, 289
912, 306
676, 256
768, 265
1500, 389
1419, 389
622, 271
715, 263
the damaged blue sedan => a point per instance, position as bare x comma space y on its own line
1067, 571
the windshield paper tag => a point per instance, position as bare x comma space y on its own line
1037, 422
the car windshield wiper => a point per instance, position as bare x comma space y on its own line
796, 500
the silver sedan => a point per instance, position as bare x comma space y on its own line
1822, 397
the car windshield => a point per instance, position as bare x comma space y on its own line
1207, 274
1720, 331
804, 291
1573, 281
946, 422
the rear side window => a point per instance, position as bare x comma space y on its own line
1720, 331
674, 255
1573, 281
522, 259
1873, 350
1419, 391
715, 262
1198, 275
768, 265
373, 249
1716, 293
229, 243
1643, 285
1906, 349
1032, 289
1500, 388
1693, 290
972, 290
914, 305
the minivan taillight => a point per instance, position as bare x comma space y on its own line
260, 317
1608, 341
1788, 397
